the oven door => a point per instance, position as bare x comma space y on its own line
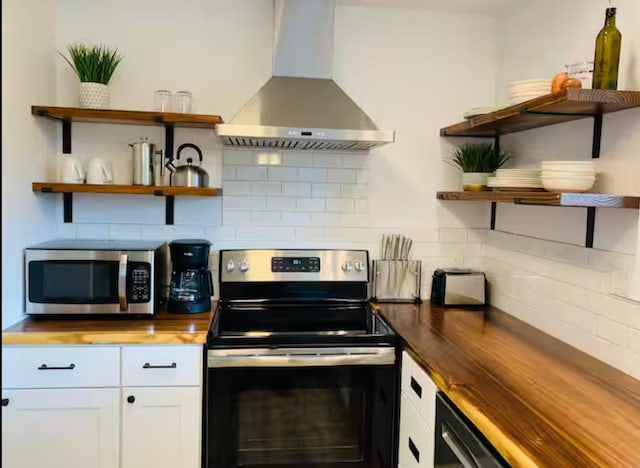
325, 407
89, 282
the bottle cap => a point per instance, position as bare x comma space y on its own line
611, 11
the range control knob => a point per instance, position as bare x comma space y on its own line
230, 266
359, 266
347, 266
244, 266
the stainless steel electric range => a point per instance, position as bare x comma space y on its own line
301, 371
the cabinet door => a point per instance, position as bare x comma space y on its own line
61, 428
161, 427
417, 441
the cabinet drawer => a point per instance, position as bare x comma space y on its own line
144, 366
60, 367
416, 440
420, 389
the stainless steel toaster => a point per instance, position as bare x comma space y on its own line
458, 286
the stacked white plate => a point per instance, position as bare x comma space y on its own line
515, 179
568, 176
476, 111
520, 91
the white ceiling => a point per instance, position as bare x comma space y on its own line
475, 6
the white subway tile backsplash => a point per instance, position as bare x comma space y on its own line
327, 160
189, 232
633, 340
343, 176
164, 232
351, 234
325, 190
266, 235
310, 233
340, 205
296, 218
325, 219
244, 203
124, 231
310, 204
354, 190
453, 235
252, 173
229, 172
237, 157
266, 217
66, 231
297, 159
220, 233
355, 219
283, 173
612, 331
236, 188
355, 161
362, 176
361, 205
236, 217
297, 189
282, 203
312, 175
92, 231
266, 188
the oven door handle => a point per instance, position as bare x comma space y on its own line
219, 359
122, 282
463, 455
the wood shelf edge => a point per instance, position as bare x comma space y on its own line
54, 187
585, 200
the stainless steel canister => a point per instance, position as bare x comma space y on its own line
160, 172
143, 153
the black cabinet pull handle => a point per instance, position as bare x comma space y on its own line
414, 450
5, 402
45, 367
173, 365
131, 398
417, 388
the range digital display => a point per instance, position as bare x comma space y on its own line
295, 264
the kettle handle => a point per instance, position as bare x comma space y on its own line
188, 145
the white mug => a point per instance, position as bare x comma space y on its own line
72, 172
99, 172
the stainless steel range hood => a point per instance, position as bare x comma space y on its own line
301, 107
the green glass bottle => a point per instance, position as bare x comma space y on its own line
607, 57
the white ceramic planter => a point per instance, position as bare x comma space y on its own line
475, 181
94, 95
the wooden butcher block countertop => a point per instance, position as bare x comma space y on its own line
539, 401
164, 328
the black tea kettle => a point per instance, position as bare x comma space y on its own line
188, 175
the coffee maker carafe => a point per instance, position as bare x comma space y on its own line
191, 283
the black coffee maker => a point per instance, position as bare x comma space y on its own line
191, 283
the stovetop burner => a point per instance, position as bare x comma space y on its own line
301, 297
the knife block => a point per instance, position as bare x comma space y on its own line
396, 281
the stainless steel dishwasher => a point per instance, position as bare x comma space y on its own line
458, 442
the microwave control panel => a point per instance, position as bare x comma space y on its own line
139, 282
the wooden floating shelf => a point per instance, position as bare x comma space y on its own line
127, 117
46, 187
587, 200
563, 106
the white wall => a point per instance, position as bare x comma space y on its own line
28, 143
571, 292
390, 61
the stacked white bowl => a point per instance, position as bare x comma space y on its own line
520, 91
568, 176
515, 179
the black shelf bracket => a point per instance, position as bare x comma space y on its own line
66, 129
168, 141
169, 209
494, 205
67, 207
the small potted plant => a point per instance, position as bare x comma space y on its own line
94, 66
478, 161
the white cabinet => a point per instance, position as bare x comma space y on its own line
161, 427
61, 428
150, 414
417, 416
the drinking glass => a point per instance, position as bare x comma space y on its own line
183, 102
162, 100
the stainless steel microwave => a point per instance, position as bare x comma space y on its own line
94, 277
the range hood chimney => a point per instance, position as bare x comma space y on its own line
300, 107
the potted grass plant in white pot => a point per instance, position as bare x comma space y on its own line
94, 65
478, 161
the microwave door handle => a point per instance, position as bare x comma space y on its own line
459, 451
122, 282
